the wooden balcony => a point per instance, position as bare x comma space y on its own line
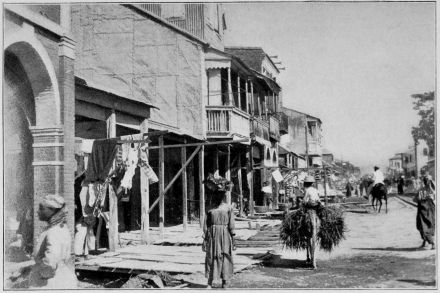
274, 128
227, 121
260, 128
284, 122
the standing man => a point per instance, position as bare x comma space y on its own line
400, 185
267, 191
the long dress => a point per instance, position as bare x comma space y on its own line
218, 228
52, 269
425, 220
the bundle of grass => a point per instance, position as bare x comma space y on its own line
296, 227
294, 230
332, 228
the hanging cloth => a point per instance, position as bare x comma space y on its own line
101, 159
145, 167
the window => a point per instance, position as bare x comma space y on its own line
425, 151
173, 11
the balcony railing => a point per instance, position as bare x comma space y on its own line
227, 121
260, 128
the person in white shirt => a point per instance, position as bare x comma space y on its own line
377, 176
378, 179
267, 191
312, 194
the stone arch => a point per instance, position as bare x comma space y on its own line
32, 100
40, 73
268, 154
274, 157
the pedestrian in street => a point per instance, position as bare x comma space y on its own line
312, 194
400, 185
425, 220
52, 253
267, 192
218, 244
349, 188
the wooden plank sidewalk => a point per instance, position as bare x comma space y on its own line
144, 258
177, 252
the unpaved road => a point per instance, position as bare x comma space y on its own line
380, 251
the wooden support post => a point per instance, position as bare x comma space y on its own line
265, 106
184, 189
145, 198
191, 190
202, 186
247, 98
238, 92
252, 99
111, 124
161, 188
230, 95
325, 183
228, 174
240, 184
216, 167
259, 104
113, 221
162, 194
250, 168
113, 202
277, 192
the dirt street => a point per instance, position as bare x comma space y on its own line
380, 251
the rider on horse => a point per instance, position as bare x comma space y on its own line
378, 179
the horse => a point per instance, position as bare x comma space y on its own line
378, 193
312, 237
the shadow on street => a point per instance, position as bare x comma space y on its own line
391, 249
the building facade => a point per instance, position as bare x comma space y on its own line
39, 51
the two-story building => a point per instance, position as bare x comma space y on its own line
263, 105
303, 137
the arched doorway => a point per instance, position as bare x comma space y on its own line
19, 114
31, 100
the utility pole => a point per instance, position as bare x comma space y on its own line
307, 148
415, 158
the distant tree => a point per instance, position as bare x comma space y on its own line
424, 104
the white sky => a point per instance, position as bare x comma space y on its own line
353, 65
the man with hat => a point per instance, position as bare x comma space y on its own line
377, 180
312, 194
52, 253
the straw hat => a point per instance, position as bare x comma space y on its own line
310, 179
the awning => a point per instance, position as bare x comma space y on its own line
215, 59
